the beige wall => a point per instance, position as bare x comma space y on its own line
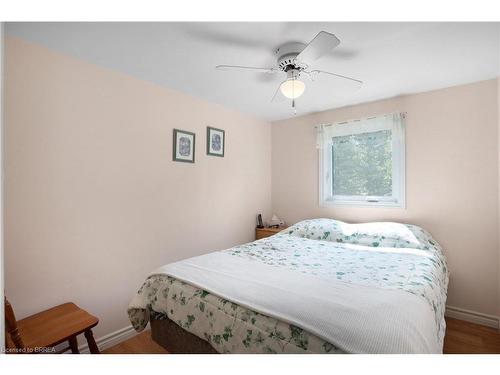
451, 180
93, 200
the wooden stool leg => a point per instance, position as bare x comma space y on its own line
90, 339
73, 344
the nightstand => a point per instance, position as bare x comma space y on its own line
266, 232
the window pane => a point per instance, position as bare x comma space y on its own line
362, 164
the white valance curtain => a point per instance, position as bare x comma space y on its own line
391, 121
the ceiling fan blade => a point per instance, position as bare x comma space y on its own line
251, 68
321, 44
352, 82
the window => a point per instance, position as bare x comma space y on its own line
362, 162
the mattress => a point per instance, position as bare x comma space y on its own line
373, 258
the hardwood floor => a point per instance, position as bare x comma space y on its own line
139, 344
461, 338
468, 338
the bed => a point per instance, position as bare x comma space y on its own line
319, 286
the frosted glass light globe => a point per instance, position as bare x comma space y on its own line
292, 88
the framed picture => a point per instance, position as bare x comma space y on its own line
184, 144
215, 141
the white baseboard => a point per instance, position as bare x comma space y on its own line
111, 339
473, 317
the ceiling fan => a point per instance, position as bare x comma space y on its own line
295, 60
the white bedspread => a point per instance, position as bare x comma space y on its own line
356, 318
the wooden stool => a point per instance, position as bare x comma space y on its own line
50, 328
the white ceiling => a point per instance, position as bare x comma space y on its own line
391, 58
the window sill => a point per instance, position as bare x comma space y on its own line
359, 203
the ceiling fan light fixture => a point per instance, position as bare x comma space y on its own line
294, 59
292, 88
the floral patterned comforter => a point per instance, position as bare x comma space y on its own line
384, 255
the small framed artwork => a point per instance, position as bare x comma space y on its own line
215, 141
184, 144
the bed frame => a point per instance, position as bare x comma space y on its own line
176, 340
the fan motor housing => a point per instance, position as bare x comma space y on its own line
286, 56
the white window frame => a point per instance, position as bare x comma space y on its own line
394, 122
